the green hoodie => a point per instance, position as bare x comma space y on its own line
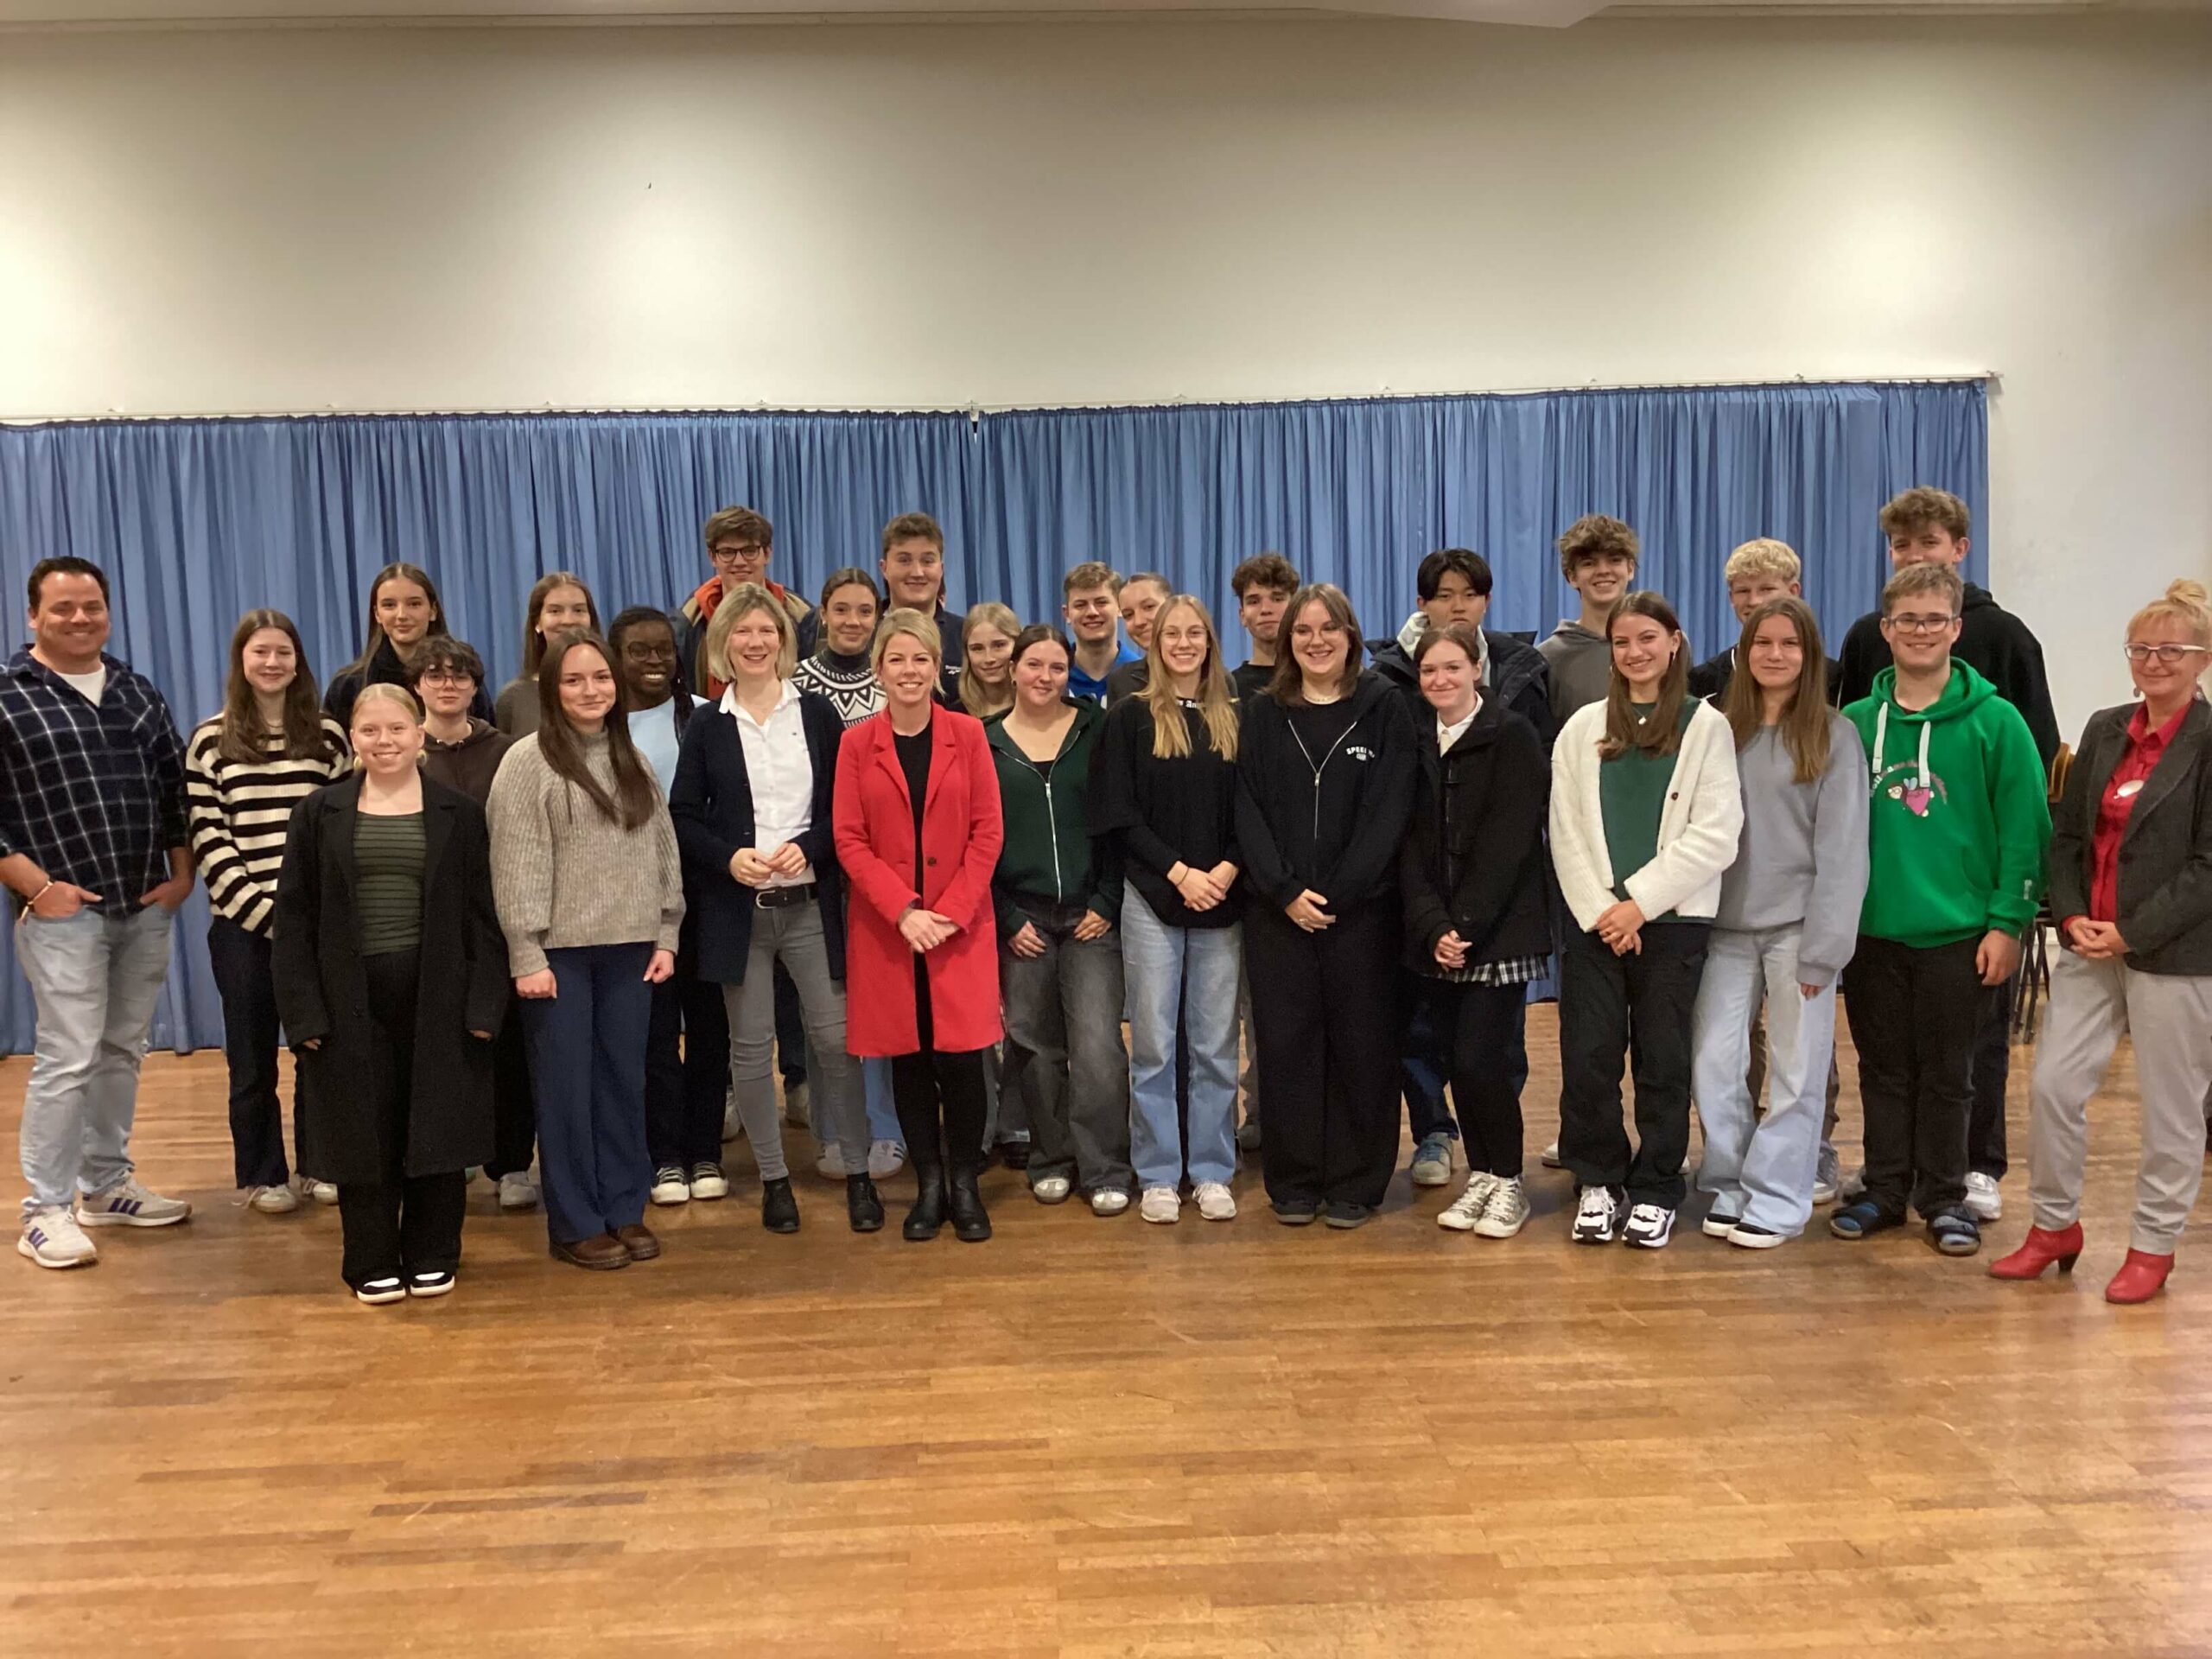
1049, 853
1960, 819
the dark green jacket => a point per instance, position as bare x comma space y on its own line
1050, 856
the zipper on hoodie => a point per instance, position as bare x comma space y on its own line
1323, 767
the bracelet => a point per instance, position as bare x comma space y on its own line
32, 902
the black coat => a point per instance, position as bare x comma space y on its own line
322, 991
384, 669
1517, 677
1474, 859
2165, 853
711, 803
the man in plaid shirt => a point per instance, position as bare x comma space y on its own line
94, 851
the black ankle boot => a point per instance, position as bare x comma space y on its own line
779, 1209
862, 1208
927, 1217
971, 1223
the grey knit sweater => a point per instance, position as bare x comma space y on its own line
564, 873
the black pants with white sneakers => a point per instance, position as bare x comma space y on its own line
1634, 1009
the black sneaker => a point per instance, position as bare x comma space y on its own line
1014, 1154
437, 1282
1344, 1217
377, 1292
1295, 1212
1752, 1237
1648, 1227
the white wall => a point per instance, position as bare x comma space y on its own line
888, 216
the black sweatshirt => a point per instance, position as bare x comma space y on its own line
1992, 642
1162, 813
1328, 818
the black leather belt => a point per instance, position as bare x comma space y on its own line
784, 897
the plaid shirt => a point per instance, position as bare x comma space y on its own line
93, 795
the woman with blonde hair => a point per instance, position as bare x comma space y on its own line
987, 659
2131, 887
558, 602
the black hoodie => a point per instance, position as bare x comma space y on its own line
1992, 642
1330, 819
1474, 860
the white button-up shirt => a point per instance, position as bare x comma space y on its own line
781, 773
1447, 736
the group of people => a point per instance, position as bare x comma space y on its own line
929, 866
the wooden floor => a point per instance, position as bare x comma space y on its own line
1096, 1437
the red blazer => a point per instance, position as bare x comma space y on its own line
961, 835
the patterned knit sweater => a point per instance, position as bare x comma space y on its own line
241, 811
850, 682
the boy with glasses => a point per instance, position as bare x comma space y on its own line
739, 544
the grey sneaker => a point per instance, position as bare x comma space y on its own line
1433, 1161
518, 1190
130, 1203
1828, 1176
1465, 1213
1983, 1197
1507, 1211
795, 1105
1853, 1187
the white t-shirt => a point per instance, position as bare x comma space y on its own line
90, 685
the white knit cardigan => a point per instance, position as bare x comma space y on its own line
1698, 828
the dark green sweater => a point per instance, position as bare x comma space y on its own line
1050, 856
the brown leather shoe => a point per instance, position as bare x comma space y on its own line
639, 1242
599, 1254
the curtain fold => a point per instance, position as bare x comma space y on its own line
197, 521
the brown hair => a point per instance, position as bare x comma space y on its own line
1288, 686
851, 576
243, 738
1171, 738
636, 794
742, 601
1091, 572
1592, 535
975, 697
1455, 633
399, 571
2183, 602
737, 523
533, 642
1660, 731
1924, 578
1264, 570
912, 527
1805, 726
1916, 509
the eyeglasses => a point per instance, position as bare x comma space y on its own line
751, 550
440, 676
2170, 656
1918, 624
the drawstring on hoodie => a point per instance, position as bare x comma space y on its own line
1881, 736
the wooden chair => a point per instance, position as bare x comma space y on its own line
2035, 948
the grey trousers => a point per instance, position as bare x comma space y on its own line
793, 934
2171, 1019
1065, 1068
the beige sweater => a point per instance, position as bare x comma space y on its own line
564, 873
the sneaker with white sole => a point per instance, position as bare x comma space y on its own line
1648, 1227
1983, 1197
378, 1292
1051, 1189
130, 1203
437, 1282
1597, 1216
1215, 1201
1549, 1157
1109, 1201
1507, 1211
1749, 1236
53, 1239
886, 1159
795, 1107
829, 1163
324, 1193
670, 1185
733, 1124
273, 1200
1162, 1204
1718, 1223
1828, 1176
518, 1190
709, 1183
1433, 1160
1466, 1209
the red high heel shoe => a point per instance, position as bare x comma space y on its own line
2038, 1250
2140, 1277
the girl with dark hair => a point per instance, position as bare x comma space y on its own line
1644, 819
245, 769
558, 602
403, 612
1325, 771
591, 897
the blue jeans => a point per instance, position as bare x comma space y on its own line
587, 1068
1190, 972
882, 1113
96, 979
1760, 1169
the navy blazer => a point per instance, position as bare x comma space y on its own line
711, 803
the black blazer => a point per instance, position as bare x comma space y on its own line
322, 990
2165, 856
711, 803
1474, 858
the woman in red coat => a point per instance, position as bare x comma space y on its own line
917, 831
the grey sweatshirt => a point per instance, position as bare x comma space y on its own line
1802, 855
1582, 665
564, 873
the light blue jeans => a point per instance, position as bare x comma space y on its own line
96, 979
1187, 974
1760, 1169
882, 1115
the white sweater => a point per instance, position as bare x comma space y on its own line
1698, 831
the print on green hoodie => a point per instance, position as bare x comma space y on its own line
1959, 820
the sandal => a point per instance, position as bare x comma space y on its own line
1955, 1233
1862, 1220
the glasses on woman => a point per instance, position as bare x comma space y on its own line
2168, 656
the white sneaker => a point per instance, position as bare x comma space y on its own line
732, 1125
324, 1193
1215, 1201
829, 1163
1983, 1200
53, 1239
1161, 1203
1648, 1227
709, 1183
1549, 1157
670, 1185
886, 1159
1507, 1212
130, 1202
1597, 1217
518, 1190
1109, 1201
273, 1200
1466, 1209
795, 1107
1052, 1189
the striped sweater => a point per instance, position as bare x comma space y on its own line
239, 813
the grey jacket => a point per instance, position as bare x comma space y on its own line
2165, 856
1803, 856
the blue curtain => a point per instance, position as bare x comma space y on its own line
196, 521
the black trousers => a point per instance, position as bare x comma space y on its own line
1424, 1062
1325, 1009
1992, 1068
403, 1223
251, 1036
940, 1093
686, 1069
1916, 1016
1634, 1008
1481, 1027
514, 1107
